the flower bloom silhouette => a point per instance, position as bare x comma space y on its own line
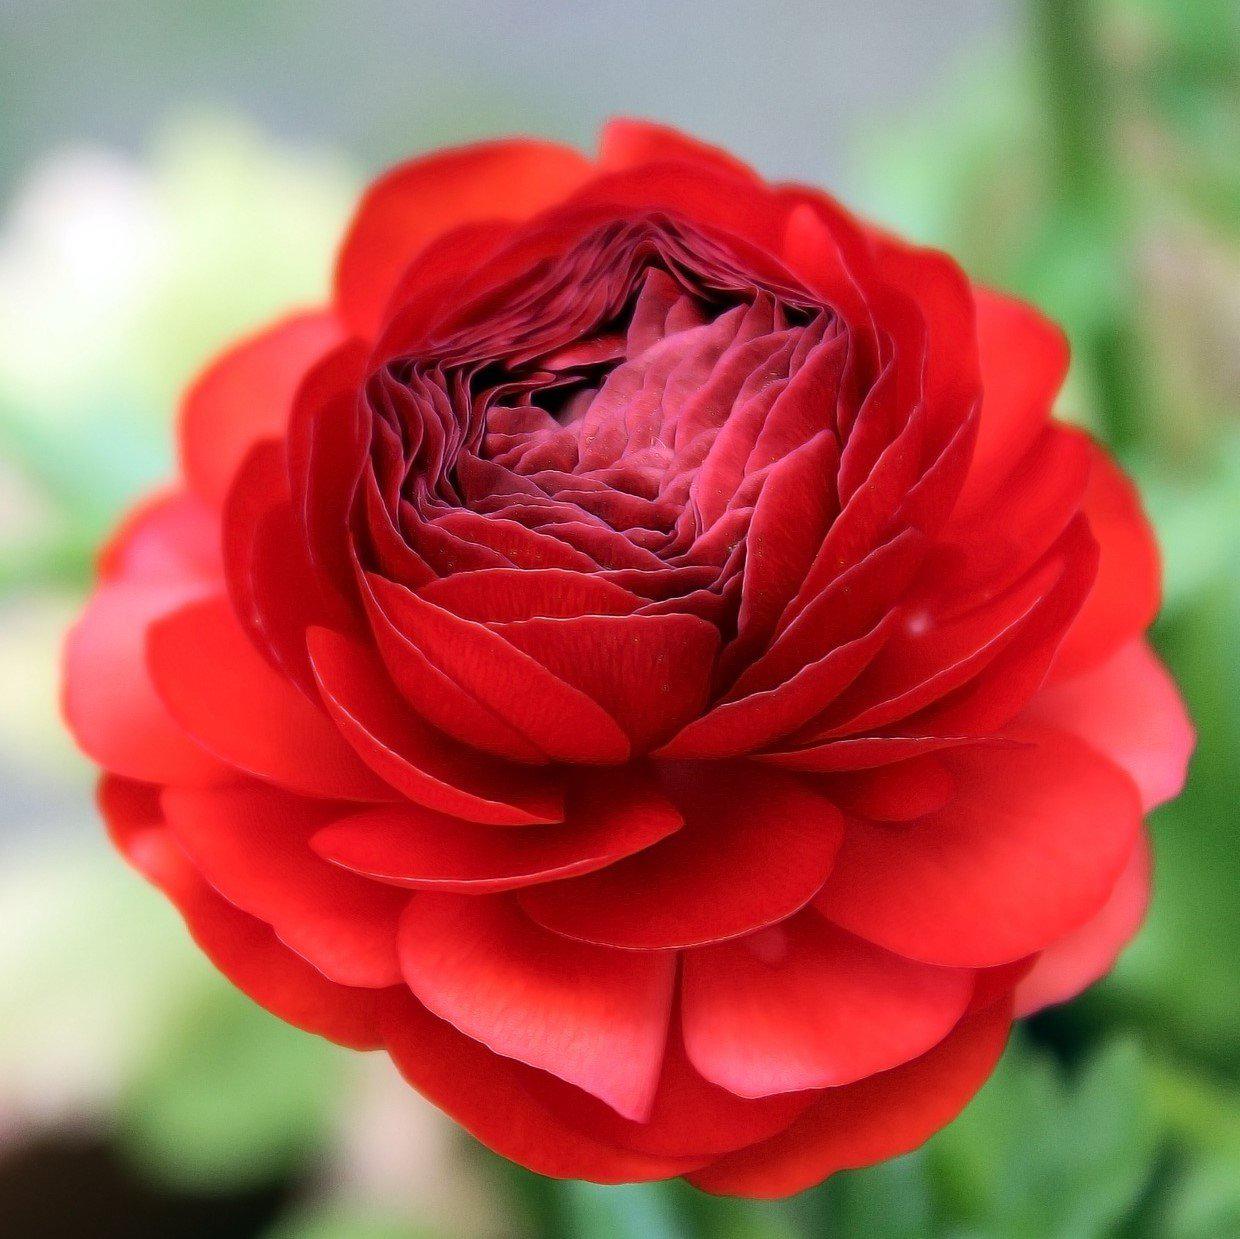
645, 657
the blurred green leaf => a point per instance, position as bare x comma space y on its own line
1205, 1204
338, 1221
235, 1097
893, 1200
1038, 1156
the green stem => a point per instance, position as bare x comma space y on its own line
1089, 197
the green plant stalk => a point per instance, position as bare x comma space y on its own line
1089, 190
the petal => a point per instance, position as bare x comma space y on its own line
1129, 709
1076, 961
755, 847
488, 671
1128, 588
624, 142
171, 537
651, 673
275, 591
804, 1005
109, 701
1027, 850
691, 1117
244, 949
246, 394
422, 763
252, 844
223, 692
592, 1017
713, 198
502, 595
413, 203
1024, 359
900, 792
867, 1122
609, 816
499, 1101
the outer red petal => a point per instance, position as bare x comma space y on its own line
412, 204
171, 537
592, 1017
500, 1102
804, 1005
874, 1119
1027, 851
252, 844
224, 693
1024, 360
625, 142
609, 817
691, 1117
1130, 709
162, 557
755, 847
246, 394
1127, 591
422, 763
1075, 962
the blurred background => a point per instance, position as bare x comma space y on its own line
171, 174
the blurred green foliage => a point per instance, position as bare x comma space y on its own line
1097, 174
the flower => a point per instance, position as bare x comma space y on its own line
645, 657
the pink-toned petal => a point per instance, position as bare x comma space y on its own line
108, 698
859, 1124
592, 1017
1130, 709
804, 1005
252, 844
170, 537
1026, 851
1075, 962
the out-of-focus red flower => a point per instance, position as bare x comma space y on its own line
644, 656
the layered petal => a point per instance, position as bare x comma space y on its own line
804, 1005
698, 885
226, 696
883, 1116
1077, 960
593, 1017
415, 202
246, 395
1027, 850
1129, 709
252, 844
606, 819
242, 947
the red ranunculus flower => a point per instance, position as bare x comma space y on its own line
645, 657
